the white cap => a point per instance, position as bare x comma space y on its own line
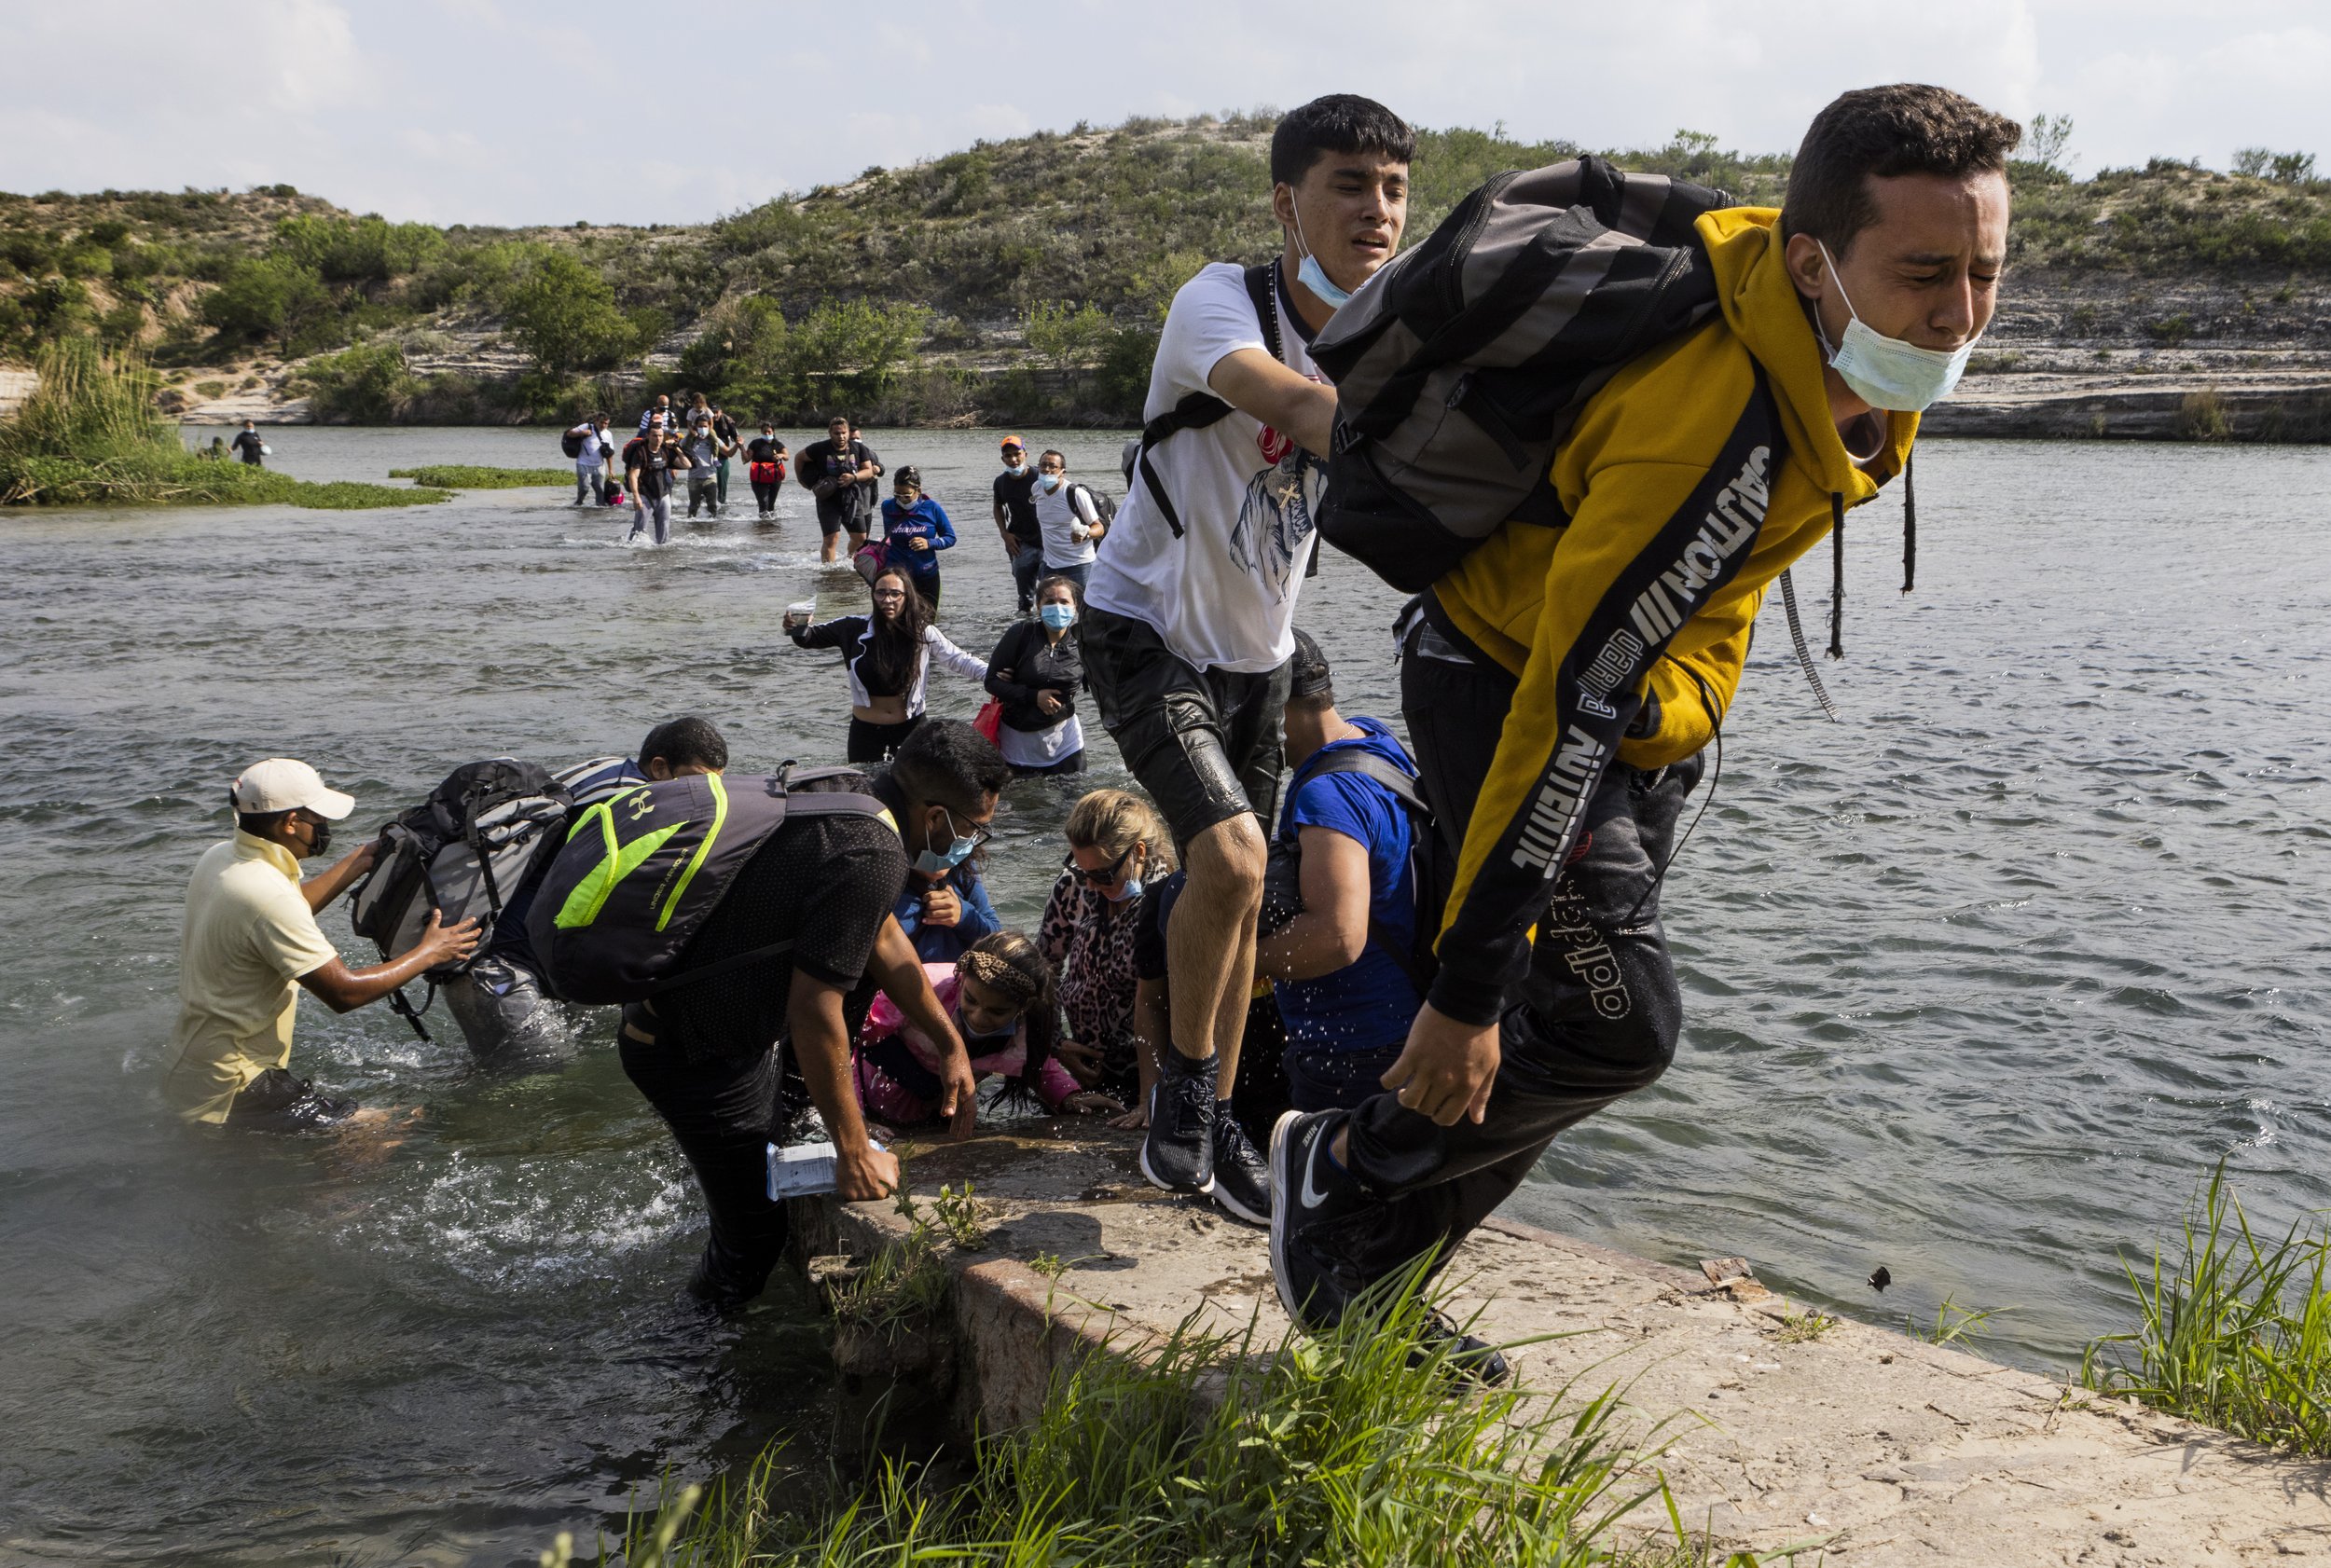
282, 784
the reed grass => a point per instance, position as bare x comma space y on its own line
467, 477
1216, 1449
2236, 1332
89, 437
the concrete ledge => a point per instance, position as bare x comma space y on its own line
1862, 1444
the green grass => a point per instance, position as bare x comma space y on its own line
467, 477
2235, 1332
89, 436
1217, 1451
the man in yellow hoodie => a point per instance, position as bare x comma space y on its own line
1559, 683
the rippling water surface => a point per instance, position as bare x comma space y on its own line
1979, 982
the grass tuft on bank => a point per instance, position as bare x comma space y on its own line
2236, 1332
89, 436
468, 477
1212, 1449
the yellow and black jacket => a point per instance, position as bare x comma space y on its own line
1691, 480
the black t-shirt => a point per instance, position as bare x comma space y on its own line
655, 468
1017, 494
827, 883
821, 461
724, 427
248, 443
763, 448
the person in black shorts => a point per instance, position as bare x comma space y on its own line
1015, 521
832, 469
1190, 610
710, 1056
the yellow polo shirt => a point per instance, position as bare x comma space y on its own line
249, 937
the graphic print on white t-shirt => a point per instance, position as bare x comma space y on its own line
1223, 596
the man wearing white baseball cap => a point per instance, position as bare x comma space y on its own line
251, 938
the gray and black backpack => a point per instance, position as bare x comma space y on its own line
465, 851
1460, 367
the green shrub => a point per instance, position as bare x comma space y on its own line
365, 385
467, 477
1328, 1450
272, 296
563, 313
2235, 1333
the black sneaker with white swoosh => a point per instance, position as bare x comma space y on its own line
1307, 1192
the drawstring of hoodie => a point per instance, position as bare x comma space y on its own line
1910, 527
1837, 574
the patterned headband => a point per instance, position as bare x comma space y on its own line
993, 969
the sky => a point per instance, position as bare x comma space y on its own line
493, 112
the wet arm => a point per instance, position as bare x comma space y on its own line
1331, 932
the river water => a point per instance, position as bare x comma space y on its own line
1980, 982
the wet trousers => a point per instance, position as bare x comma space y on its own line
765, 496
591, 483
1597, 1015
1026, 567
724, 1112
654, 510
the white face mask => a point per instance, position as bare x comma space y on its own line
1886, 372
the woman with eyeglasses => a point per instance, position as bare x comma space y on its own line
1035, 672
1117, 845
887, 653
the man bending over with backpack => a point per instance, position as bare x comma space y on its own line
1192, 608
707, 1052
1560, 684
1343, 938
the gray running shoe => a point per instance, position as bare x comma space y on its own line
1177, 1153
1242, 1177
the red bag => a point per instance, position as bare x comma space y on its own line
765, 473
990, 721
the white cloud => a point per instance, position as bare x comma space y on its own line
486, 112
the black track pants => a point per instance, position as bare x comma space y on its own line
1597, 1016
724, 1112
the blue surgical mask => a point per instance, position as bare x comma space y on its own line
1015, 469
1315, 277
1886, 372
1127, 889
1060, 617
1050, 481
929, 863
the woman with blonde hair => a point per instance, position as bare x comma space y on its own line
1117, 846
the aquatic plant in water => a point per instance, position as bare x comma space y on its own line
2236, 1333
468, 477
89, 435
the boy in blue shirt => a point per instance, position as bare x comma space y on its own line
1343, 962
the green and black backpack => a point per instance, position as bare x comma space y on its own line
641, 872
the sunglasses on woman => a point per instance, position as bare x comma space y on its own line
1100, 878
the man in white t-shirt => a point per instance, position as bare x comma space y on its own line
1067, 520
590, 459
1191, 611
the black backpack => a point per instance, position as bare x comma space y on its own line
1103, 507
642, 869
466, 850
1462, 363
571, 442
1199, 409
1433, 867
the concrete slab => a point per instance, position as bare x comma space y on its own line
1857, 1444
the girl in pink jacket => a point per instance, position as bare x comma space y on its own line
999, 994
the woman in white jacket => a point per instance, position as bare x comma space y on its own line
887, 653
